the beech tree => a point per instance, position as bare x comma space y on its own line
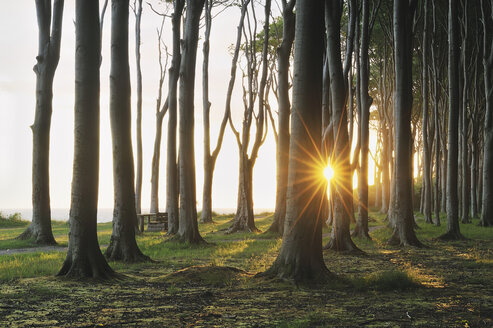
137, 7
188, 227
210, 158
300, 258
453, 229
123, 246
84, 258
342, 198
487, 208
49, 38
244, 217
402, 212
283, 63
172, 191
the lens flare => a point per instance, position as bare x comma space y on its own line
328, 173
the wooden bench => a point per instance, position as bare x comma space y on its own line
155, 221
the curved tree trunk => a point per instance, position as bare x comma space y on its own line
47, 61
453, 229
188, 230
403, 216
123, 246
283, 56
300, 258
172, 192
244, 218
84, 258
340, 159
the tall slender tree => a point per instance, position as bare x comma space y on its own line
172, 190
138, 179
210, 158
49, 39
487, 208
300, 258
283, 58
340, 158
244, 218
188, 230
123, 246
453, 229
84, 258
402, 212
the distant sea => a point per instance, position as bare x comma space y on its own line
104, 214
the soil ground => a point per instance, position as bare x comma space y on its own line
447, 284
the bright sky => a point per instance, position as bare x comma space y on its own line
17, 99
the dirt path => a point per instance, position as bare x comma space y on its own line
33, 249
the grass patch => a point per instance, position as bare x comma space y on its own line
386, 281
12, 221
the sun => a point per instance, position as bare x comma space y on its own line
328, 173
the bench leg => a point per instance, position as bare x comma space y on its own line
141, 224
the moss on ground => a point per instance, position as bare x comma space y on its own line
443, 285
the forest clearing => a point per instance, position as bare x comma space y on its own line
442, 285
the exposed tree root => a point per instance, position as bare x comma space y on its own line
343, 245
406, 241
86, 265
118, 250
452, 235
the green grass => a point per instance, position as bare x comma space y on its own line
386, 281
13, 220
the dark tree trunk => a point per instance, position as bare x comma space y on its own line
340, 159
188, 230
487, 183
244, 218
123, 246
84, 258
283, 56
426, 149
47, 61
453, 229
361, 229
172, 191
403, 100
300, 258
138, 180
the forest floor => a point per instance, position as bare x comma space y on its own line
446, 284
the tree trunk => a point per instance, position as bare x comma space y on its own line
385, 171
138, 181
343, 196
123, 246
283, 57
426, 149
300, 258
361, 229
84, 258
247, 162
487, 185
172, 192
403, 100
453, 229
188, 231
47, 61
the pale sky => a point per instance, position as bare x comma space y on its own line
17, 99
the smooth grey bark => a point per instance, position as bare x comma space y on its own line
49, 38
138, 177
123, 246
188, 231
300, 258
283, 57
172, 191
244, 218
424, 94
403, 216
84, 258
453, 229
361, 229
487, 183
436, 93
342, 197
210, 158
161, 110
